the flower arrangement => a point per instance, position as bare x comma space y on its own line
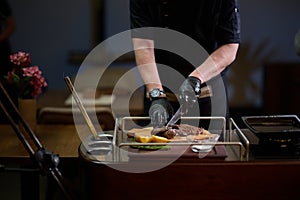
26, 79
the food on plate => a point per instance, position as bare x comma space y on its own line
158, 139
179, 130
175, 133
139, 131
153, 138
151, 147
143, 139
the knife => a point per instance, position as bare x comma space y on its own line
175, 117
172, 121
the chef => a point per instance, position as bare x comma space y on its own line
214, 24
7, 28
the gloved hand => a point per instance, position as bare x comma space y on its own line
189, 91
160, 111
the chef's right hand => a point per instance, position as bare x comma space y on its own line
189, 92
160, 112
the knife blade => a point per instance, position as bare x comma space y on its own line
175, 117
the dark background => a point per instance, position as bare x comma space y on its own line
57, 34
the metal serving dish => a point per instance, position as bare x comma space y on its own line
226, 139
275, 128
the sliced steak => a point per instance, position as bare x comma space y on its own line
179, 130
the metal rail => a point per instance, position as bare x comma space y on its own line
233, 129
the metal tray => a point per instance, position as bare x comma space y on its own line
275, 128
119, 149
124, 125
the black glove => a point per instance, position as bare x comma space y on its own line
189, 91
160, 111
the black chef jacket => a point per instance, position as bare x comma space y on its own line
211, 23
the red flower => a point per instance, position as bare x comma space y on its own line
21, 59
27, 79
37, 80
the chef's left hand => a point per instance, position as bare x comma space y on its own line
189, 92
160, 112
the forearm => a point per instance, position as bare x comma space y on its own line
216, 62
145, 60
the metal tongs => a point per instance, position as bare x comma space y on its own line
172, 122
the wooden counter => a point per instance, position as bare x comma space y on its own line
60, 139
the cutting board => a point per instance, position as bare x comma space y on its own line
180, 153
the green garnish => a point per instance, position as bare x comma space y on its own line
151, 147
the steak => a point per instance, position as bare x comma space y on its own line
177, 130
